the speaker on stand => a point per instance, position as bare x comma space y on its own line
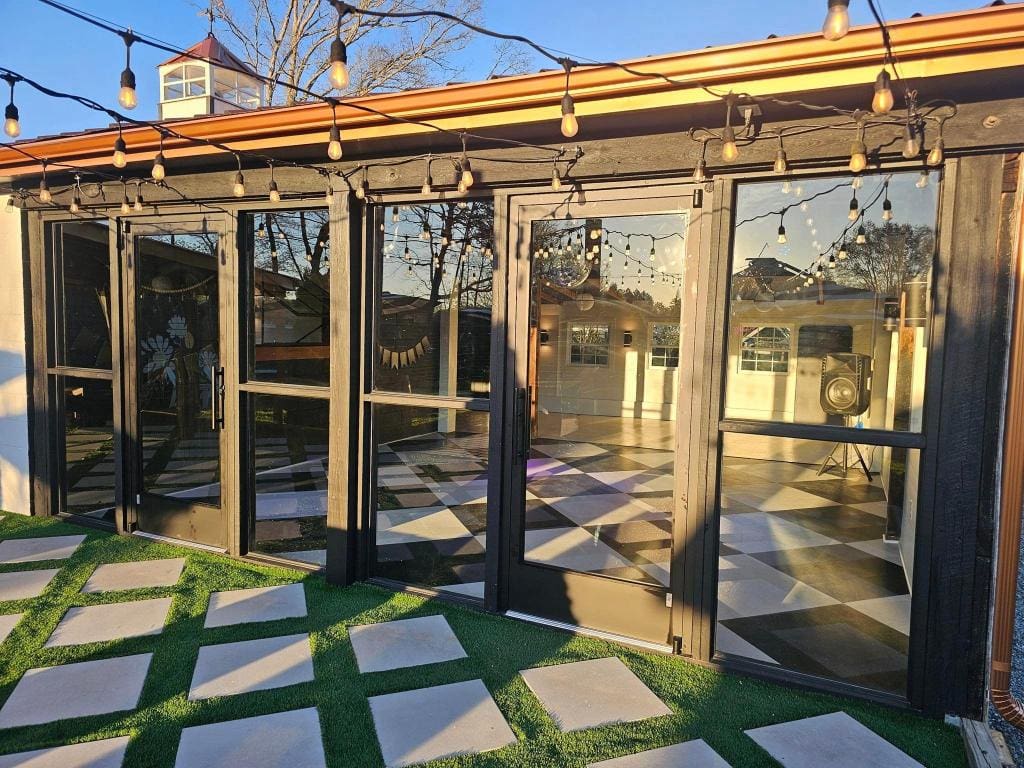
845, 391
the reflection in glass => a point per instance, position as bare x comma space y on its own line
178, 349
816, 562
290, 304
431, 506
845, 296
82, 266
606, 301
433, 321
87, 474
290, 472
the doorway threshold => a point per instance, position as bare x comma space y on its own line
179, 542
595, 633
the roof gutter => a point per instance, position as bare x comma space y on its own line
1011, 497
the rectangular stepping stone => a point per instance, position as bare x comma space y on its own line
110, 621
691, 754
111, 577
251, 665
835, 740
442, 721
21, 585
35, 550
103, 753
586, 694
8, 623
404, 643
243, 606
281, 740
46, 694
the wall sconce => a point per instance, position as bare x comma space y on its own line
545, 337
627, 338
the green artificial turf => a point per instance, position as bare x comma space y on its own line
706, 704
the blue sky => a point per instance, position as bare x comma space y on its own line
60, 52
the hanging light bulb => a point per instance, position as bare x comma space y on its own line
938, 152
882, 102
334, 144
12, 124
363, 189
238, 188
45, 196
911, 142
922, 180
843, 253
787, 187
700, 172
857, 182
339, 75
76, 198
887, 208
819, 272
119, 158
730, 152
626, 249
274, 193
781, 163
467, 177
425, 233
837, 20
854, 209
556, 178
126, 96
858, 150
126, 207
428, 181
570, 125
159, 172
832, 261
782, 234
261, 230
862, 236
137, 206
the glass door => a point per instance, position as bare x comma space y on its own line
601, 385
175, 380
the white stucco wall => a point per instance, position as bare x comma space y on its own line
14, 469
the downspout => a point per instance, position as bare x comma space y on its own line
1011, 496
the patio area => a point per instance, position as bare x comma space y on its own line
121, 651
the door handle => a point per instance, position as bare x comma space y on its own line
216, 398
521, 425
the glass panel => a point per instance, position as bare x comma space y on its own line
599, 479
174, 91
88, 471
290, 471
431, 483
290, 301
178, 347
82, 267
816, 557
837, 315
433, 325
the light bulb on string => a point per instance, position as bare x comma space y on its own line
858, 151
882, 102
843, 253
274, 194
126, 95
139, 202
466, 177
126, 206
570, 125
837, 20
338, 60
428, 181
862, 236
238, 187
556, 178
329, 194
887, 206
76, 196
363, 188
938, 151
787, 187
159, 171
854, 209
119, 158
781, 164
12, 123
922, 180
334, 150
730, 152
782, 234
857, 182
911, 142
45, 196
261, 229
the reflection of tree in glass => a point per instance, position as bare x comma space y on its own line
892, 255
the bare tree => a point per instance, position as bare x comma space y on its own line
891, 255
289, 40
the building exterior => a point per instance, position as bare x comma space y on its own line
629, 404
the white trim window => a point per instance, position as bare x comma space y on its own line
184, 82
664, 345
589, 344
765, 349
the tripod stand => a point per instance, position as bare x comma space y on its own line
844, 465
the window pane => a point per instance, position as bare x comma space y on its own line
88, 472
290, 437
175, 91
431, 483
290, 303
433, 324
842, 325
82, 265
816, 557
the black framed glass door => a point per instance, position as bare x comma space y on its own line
175, 379
600, 408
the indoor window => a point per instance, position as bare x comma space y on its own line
588, 344
765, 349
665, 345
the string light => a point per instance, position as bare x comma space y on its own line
938, 150
922, 180
911, 142
428, 181
700, 170
9, 205
858, 150
12, 123
76, 197
329, 194
126, 207
782, 228
862, 236
781, 162
334, 143
832, 261
556, 178
570, 125
854, 208
138, 197
339, 75
887, 205
274, 193
159, 172
883, 101
730, 152
45, 196
126, 96
119, 159
842, 250
363, 189
837, 20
